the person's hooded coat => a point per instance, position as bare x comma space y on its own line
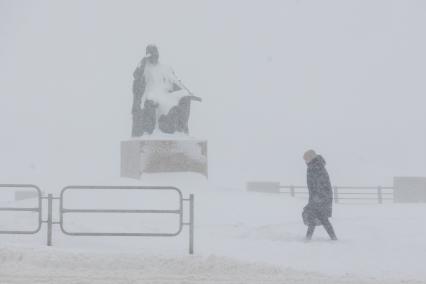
320, 191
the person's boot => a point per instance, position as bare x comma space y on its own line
310, 232
330, 231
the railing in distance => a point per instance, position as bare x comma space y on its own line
348, 193
340, 193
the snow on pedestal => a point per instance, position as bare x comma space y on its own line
163, 154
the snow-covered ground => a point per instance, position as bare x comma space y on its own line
240, 237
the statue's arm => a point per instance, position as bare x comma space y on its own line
178, 85
138, 86
138, 73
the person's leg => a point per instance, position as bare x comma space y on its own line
310, 232
328, 227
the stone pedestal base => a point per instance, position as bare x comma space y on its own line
162, 156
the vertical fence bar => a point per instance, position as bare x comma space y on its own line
191, 224
336, 194
379, 194
292, 190
49, 219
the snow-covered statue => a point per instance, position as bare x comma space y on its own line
161, 108
160, 100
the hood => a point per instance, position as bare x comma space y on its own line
318, 161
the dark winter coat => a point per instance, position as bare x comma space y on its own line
320, 192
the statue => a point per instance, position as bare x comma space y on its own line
160, 100
161, 104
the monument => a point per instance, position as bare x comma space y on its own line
160, 115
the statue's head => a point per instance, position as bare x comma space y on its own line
152, 53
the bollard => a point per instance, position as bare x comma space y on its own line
379, 194
191, 224
336, 195
49, 219
292, 192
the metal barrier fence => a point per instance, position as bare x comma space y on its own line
341, 193
23, 209
62, 211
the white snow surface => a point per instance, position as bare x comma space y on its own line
240, 237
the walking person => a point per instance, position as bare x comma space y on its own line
319, 207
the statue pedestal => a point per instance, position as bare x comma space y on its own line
139, 156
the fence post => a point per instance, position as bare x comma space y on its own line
292, 192
336, 195
379, 194
49, 219
191, 224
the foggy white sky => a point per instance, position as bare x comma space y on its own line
346, 78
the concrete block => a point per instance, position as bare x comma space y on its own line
162, 156
409, 189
